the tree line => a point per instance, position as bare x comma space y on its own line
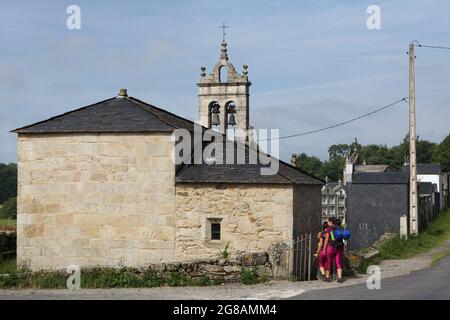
8, 190
396, 156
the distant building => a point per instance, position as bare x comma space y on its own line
431, 172
372, 168
333, 200
377, 200
377, 196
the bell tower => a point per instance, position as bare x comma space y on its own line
224, 96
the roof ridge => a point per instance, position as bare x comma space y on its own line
131, 99
137, 101
61, 115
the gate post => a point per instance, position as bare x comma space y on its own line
309, 258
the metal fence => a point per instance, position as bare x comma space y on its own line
301, 258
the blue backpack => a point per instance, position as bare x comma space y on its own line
342, 234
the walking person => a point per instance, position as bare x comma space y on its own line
338, 253
327, 248
321, 253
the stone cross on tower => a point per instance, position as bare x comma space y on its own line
224, 95
223, 27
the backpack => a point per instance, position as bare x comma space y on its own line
342, 234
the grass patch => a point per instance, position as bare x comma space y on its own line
95, 278
7, 265
8, 224
434, 235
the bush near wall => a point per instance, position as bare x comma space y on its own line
9, 209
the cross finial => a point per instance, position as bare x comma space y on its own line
223, 27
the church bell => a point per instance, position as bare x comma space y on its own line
215, 121
232, 120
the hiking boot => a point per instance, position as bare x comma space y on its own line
326, 279
340, 280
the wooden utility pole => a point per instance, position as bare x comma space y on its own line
413, 212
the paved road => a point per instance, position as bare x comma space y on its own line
427, 284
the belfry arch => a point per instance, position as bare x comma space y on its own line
232, 89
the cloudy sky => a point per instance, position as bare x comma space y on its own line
312, 63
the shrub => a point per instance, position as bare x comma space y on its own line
225, 254
201, 281
249, 276
177, 279
9, 209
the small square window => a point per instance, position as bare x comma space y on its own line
215, 231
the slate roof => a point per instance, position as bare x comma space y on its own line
128, 114
118, 114
372, 168
335, 185
425, 168
429, 168
250, 172
380, 178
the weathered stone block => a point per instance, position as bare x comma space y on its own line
34, 231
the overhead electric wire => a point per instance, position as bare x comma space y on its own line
417, 44
339, 124
432, 47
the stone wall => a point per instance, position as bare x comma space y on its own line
307, 210
218, 270
253, 218
95, 199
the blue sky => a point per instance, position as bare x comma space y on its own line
312, 63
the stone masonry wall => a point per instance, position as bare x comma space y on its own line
218, 270
95, 199
253, 218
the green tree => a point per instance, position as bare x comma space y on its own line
376, 154
441, 154
425, 151
8, 181
333, 169
9, 209
395, 156
338, 151
309, 164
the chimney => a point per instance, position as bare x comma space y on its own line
122, 93
294, 160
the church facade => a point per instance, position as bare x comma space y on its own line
98, 185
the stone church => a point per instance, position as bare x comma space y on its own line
98, 185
